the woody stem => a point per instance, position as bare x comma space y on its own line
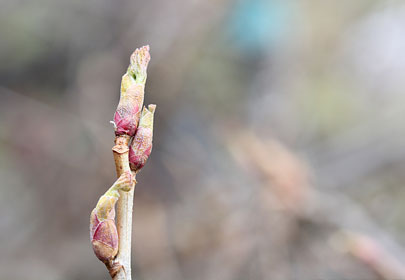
124, 212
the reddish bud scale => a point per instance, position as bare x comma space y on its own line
126, 117
141, 148
105, 240
104, 235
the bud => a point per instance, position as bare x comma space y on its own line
141, 146
128, 112
103, 232
105, 241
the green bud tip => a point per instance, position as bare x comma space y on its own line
139, 63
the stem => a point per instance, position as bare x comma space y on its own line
126, 120
120, 269
120, 151
124, 227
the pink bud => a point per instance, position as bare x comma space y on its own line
103, 232
140, 151
126, 117
105, 240
141, 146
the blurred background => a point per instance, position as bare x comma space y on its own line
278, 149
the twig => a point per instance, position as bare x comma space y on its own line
124, 212
111, 243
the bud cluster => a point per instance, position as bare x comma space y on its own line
129, 119
131, 123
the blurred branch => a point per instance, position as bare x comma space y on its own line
288, 180
357, 153
369, 251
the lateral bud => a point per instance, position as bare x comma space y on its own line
103, 231
141, 146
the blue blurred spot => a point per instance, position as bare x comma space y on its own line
257, 24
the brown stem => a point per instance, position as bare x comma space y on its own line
120, 269
120, 151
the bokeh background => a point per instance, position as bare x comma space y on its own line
279, 147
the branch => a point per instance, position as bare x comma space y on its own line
111, 243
